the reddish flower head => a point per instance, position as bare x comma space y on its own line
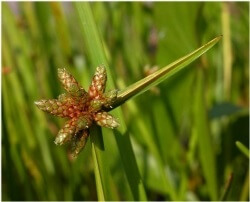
81, 108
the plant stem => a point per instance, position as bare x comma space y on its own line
227, 188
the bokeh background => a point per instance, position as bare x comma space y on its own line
183, 131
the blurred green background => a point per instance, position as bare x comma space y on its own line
183, 131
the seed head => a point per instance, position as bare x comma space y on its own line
81, 108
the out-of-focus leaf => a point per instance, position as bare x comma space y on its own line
243, 149
224, 109
202, 131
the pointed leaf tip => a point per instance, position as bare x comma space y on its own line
157, 77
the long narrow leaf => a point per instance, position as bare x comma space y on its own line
96, 53
202, 131
162, 74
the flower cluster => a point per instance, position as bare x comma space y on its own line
81, 108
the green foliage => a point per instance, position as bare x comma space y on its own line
242, 148
176, 141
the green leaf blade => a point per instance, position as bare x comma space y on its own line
97, 56
202, 131
243, 148
152, 80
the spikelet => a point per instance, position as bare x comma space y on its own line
98, 83
70, 108
67, 132
53, 107
70, 84
105, 119
79, 142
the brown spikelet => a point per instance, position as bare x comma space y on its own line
79, 142
98, 83
67, 108
53, 107
67, 132
105, 119
70, 84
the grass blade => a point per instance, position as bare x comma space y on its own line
25, 68
202, 131
96, 53
227, 49
162, 74
61, 28
243, 148
99, 170
245, 189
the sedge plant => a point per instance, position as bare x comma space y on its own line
84, 109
